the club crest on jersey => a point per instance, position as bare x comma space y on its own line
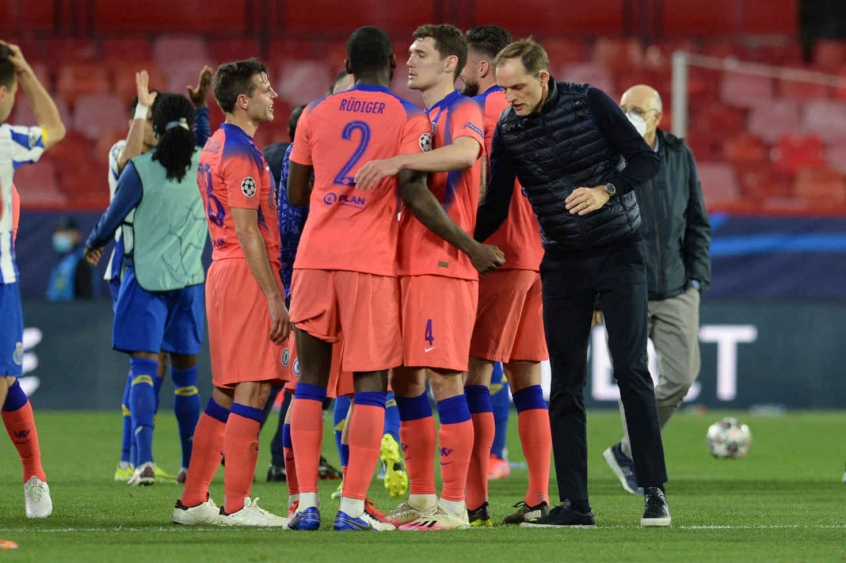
297, 367
248, 187
286, 357
17, 357
425, 142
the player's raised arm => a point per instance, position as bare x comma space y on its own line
426, 208
46, 114
142, 114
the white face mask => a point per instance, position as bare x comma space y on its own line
638, 122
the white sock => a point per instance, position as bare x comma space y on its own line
125, 465
455, 507
422, 502
352, 507
308, 500
292, 499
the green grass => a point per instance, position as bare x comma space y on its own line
785, 502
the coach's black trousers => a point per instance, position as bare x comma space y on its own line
570, 285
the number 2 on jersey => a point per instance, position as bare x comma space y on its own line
429, 337
343, 179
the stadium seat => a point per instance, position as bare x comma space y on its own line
104, 143
702, 146
835, 155
299, 17
544, 18
282, 50
97, 114
123, 74
76, 79
716, 118
33, 15
719, 185
563, 51
126, 48
785, 54
334, 53
178, 77
822, 185
618, 54
830, 54
723, 49
227, 50
37, 185
826, 119
763, 182
171, 51
30, 47
185, 16
23, 110
745, 148
745, 90
660, 54
86, 184
792, 90
302, 82
60, 51
590, 73
73, 149
774, 119
796, 152
703, 82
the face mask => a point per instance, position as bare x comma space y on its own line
638, 122
62, 243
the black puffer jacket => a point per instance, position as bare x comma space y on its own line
676, 229
552, 153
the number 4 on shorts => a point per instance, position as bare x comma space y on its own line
429, 337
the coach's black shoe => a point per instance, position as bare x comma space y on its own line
276, 474
526, 513
480, 517
562, 516
656, 511
326, 471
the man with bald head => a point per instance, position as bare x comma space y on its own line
677, 236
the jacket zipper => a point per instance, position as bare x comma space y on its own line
659, 266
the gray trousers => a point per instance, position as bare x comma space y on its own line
674, 329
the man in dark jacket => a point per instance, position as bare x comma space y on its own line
677, 237
578, 159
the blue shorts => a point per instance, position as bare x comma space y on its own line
114, 291
159, 321
11, 330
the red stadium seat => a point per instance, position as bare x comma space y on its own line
618, 54
660, 54
31, 15
719, 185
282, 50
76, 79
830, 54
545, 18
227, 50
826, 119
104, 143
123, 74
792, 90
171, 51
724, 49
563, 51
590, 73
98, 114
796, 152
745, 90
774, 119
716, 118
126, 48
86, 184
821, 185
30, 47
23, 111
37, 185
703, 146
835, 155
745, 148
303, 82
59, 51
786, 54
179, 77
73, 149
185, 16
763, 182
334, 53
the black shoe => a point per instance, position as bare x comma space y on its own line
656, 511
526, 513
326, 471
276, 474
480, 517
563, 515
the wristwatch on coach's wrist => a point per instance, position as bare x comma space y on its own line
697, 285
610, 189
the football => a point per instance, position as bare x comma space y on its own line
728, 438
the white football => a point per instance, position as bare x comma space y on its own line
728, 438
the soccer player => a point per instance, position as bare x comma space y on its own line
509, 321
439, 286
140, 140
344, 274
159, 307
20, 145
245, 304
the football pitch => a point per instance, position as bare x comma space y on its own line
785, 502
